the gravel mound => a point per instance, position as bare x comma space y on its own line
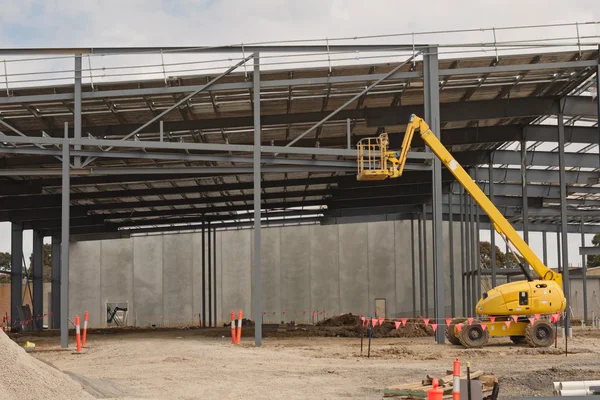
349, 325
24, 377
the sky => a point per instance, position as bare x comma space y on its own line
105, 23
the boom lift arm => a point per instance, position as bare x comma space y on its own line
509, 303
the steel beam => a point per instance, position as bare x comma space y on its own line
545, 248
77, 108
451, 244
257, 264
413, 264
462, 250
422, 291
38, 280
64, 251
203, 273
16, 275
431, 81
492, 229
54, 310
214, 266
563, 216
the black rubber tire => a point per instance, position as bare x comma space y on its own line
450, 331
518, 339
540, 334
473, 336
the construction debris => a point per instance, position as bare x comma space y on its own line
418, 390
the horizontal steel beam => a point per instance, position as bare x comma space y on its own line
537, 158
589, 251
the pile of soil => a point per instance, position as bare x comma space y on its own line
24, 377
349, 325
540, 381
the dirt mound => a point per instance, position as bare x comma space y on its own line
24, 377
349, 325
541, 380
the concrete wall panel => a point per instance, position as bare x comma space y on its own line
324, 269
354, 268
295, 271
271, 276
382, 265
177, 278
148, 279
404, 269
85, 282
236, 257
117, 274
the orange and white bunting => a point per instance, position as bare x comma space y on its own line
507, 323
470, 320
381, 320
404, 321
448, 321
374, 321
397, 323
531, 320
434, 327
483, 326
537, 316
458, 327
515, 317
426, 321
492, 319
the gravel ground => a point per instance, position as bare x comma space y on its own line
189, 364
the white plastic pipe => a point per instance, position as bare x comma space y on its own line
575, 392
578, 385
556, 386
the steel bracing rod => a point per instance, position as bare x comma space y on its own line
11, 139
340, 108
177, 104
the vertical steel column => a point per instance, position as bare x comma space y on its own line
209, 248
65, 233
584, 276
478, 239
256, 273
348, 133
474, 254
77, 107
215, 275
492, 229
54, 314
598, 94
421, 291
525, 204
16, 274
544, 248
451, 243
38, 280
558, 252
425, 292
563, 215
468, 254
203, 271
462, 250
431, 86
412, 256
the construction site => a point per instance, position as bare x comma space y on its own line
356, 217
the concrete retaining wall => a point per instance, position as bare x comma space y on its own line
332, 269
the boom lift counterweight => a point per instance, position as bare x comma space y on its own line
542, 296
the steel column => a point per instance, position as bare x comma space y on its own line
425, 292
451, 243
462, 250
215, 276
524, 194
412, 256
431, 87
421, 290
478, 242
563, 215
37, 268
203, 272
492, 229
256, 271
16, 275
474, 255
558, 246
584, 276
544, 248
54, 311
210, 297
468, 254
77, 108
65, 234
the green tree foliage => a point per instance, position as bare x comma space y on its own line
47, 262
4, 266
502, 261
593, 260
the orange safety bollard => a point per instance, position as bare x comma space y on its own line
233, 337
239, 329
77, 334
85, 321
435, 393
456, 380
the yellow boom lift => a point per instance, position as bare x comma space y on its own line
543, 296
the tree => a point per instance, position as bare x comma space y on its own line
486, 255
47, 262
594, 260
4, 267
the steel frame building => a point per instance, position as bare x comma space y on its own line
88, 162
